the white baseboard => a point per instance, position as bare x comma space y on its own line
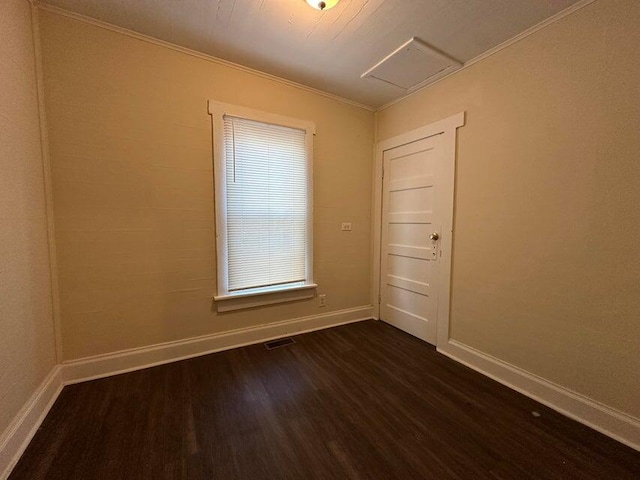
617, 425
138, 358
17, 436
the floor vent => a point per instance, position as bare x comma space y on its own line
281, 342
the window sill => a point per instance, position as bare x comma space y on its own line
239, 301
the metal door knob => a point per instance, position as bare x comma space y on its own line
434, 236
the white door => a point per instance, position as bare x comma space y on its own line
411, 237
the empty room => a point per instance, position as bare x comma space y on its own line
304, 239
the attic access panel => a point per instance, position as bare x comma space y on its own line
412, 64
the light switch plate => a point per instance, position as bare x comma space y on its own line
346, 227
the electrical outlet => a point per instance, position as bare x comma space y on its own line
322, 300
346, 227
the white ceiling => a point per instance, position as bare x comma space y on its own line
326, 50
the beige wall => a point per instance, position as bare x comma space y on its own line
130, 143
27, 350
546, 271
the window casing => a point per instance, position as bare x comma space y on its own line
263, 192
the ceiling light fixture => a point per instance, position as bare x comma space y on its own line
322, 5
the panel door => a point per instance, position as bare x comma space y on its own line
410, 237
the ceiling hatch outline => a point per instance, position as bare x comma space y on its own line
412, 65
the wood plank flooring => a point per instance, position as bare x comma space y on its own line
361, 401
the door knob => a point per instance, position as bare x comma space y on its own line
434, 236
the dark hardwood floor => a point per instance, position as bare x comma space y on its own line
362, 401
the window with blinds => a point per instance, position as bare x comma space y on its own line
266, 203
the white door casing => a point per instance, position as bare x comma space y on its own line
412, 273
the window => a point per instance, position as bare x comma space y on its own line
263, 172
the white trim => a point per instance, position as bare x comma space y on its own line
139, 36
16, 437
613, 423
239, 301
218, 110
435, 128
448, 128
257, 292
48, 184
203, 56
507, 43
146, 38
139, 358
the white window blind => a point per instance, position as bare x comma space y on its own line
266, 204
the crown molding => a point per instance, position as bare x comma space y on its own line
507, 43
146, 38
202, 56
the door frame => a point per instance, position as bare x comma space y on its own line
447, 127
